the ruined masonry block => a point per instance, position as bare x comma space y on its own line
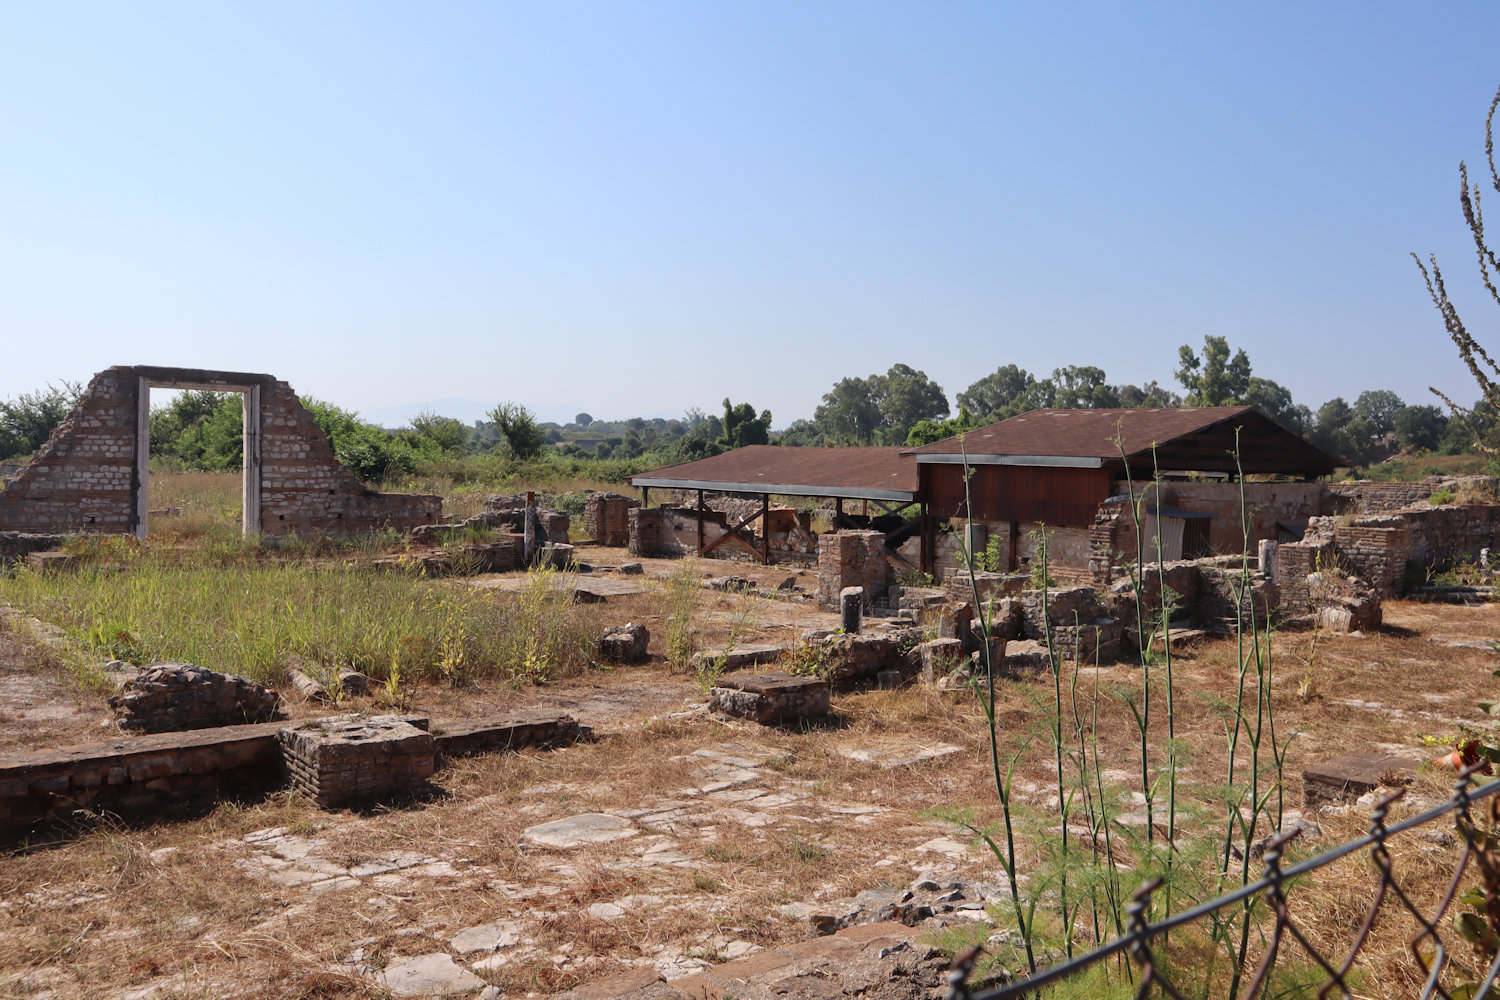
624, 643
353, 758
1345, 778
940, 657
771, 698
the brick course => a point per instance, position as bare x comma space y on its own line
84, 479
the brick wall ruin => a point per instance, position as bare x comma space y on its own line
851, 559
83, 478
606, 517
88, 476
1367, 497
1271, 508
1378, 547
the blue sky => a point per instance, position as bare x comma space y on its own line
640, 208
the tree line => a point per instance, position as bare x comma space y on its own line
903, 406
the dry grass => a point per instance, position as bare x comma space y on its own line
119, 906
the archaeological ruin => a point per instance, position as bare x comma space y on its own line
92, 475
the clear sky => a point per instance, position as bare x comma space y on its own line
635, 208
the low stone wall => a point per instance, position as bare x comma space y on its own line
145, 775
16, 545
135, 775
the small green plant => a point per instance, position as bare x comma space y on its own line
683, 592
1442, 497
916, 578
990, 559
117, 642
807, 852
807, 659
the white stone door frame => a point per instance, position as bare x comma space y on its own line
250, 466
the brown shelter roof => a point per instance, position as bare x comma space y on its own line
1201, 439
857, 473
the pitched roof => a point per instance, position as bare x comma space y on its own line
1196, 438
860, 473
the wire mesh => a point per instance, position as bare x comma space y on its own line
1462, 969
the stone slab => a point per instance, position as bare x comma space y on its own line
433, 975
770, 698
898, 756
1349, 776
739, 657
578, 831
511, 732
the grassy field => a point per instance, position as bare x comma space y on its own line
245, 614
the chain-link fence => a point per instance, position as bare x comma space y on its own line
1453, 947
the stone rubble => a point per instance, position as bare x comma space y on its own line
170, 697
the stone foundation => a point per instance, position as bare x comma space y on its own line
356, 758
17, 545
770, 698
138, 776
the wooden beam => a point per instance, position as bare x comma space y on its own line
734, 532
765, 529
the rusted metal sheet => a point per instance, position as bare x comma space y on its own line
1013, 493
1201, 439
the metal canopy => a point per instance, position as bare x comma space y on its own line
848, 473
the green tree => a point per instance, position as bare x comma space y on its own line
1215, 379
928, 431
849, 412
804, 433
1337, 430
998, 393
215, 442
171, 421
583, 420
371, 453
518, 426
1419, 428
1378, 409
741, 425
447, 434
28, 420
1080, 387
1275, 400
903, 396
1152, 394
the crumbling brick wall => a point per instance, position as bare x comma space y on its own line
851, 559
304, 487
1365, 497
85, 478
646, 531
606, 517
1270, 506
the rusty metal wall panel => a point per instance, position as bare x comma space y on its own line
1017, 493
